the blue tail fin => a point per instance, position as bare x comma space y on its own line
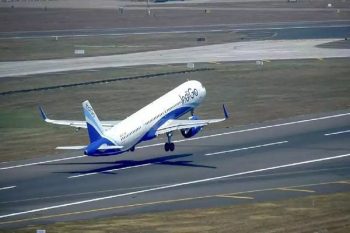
94, 126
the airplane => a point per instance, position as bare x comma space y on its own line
159, 117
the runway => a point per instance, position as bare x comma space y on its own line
306, 155
283, 30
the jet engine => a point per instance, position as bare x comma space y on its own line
190, 132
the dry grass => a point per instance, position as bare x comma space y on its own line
50, 48
327, 213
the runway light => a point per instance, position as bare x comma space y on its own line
40, 231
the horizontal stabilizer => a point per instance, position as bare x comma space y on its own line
78, 124
107, 147
70, 147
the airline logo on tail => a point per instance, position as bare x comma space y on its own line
94, 126
100, 144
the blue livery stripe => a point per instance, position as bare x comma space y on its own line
93, 133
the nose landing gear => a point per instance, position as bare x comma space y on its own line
169, 146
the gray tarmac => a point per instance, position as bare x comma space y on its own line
285, 41
237, 51
306, 155
282, 30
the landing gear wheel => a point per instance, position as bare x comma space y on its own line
167, 147
172, 146
132, 149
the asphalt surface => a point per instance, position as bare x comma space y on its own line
238, 51
281, 159
267, 41
282, 30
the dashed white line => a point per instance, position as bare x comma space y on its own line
190, 26
43, 162
336, 133
173, 186
8, 187
246, 148
228, 27
117, 169
235, 197
296, 190
254, 129
197, 138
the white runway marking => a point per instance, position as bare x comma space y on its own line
43, 162
117, 169
244, 51
254, 129
169, 32
173, 186
197, 138
188, 26
192, 29
9, 187
336, 133
247, 148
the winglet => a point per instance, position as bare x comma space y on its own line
71, 148
42, 113
225, 111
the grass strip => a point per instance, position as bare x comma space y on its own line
318, 213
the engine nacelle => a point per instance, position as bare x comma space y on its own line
190, 132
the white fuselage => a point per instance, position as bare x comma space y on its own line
143, 124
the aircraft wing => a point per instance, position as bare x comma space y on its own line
172, 125
73, 123
71, 147
102, 147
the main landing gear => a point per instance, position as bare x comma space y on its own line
169, 146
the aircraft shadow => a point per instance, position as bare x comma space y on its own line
124, 164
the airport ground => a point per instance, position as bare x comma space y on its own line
253, 93
43, 19
63, 47
329, 212
41, 48
256, 163
258, 97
